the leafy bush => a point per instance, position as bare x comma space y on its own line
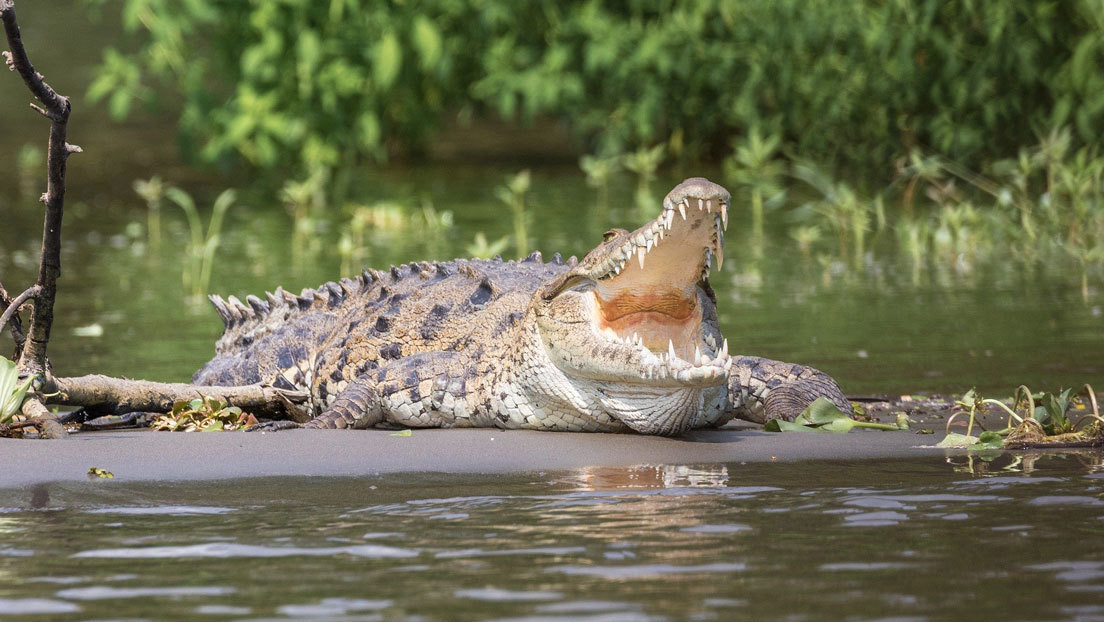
323, 84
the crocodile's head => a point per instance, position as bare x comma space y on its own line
637, 315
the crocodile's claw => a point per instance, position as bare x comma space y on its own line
274, 426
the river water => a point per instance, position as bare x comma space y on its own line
912, 539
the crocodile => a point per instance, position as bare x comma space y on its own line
626, 339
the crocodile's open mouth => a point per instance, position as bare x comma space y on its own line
650, 288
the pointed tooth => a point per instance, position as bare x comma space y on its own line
701, 204
724, 348
648, 245
640, 252
720, 256
709, 205
698, 359
671, 349
724, 216
682, 209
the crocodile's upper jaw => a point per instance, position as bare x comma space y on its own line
632, 311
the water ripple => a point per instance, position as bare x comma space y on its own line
1066, 500
170, 510
646, 570
328, 607
226, 550
494, 594
98, 592
35, 606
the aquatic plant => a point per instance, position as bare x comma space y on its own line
824, 416
304, 200
644, 162
483, 249
598, 172
151, 190
1044, 421
512, 194
756, 168
206, 414
12, 392
199, 252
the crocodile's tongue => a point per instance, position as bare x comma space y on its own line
655, 295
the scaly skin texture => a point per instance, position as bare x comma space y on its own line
596, 345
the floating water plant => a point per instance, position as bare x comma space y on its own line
823, 415
207, 414
1044, 423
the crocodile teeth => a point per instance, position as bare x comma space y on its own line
671, 349
724, 216
640, 252
698, 358
709, 205
724, 349
701, 204
649, 245
682, 209
720, 255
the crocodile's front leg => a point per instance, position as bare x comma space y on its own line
417, 391
761, 389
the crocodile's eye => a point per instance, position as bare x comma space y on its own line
609, 235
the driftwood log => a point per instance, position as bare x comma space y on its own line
100, 393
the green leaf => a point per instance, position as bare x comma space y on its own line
428, 42
214, 426
987, 440
839, 425
820, 412
406, 432
960, 441
386, 61
779, 425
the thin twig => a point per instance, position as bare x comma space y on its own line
17, 333
13, 306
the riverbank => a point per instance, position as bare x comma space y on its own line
142, 455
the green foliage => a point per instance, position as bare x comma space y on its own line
12, 392
205, 414
325, 84
824, 416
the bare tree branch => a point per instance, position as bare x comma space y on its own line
121, 396
32, 358
56, 107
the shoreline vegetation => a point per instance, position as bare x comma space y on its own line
975, 128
